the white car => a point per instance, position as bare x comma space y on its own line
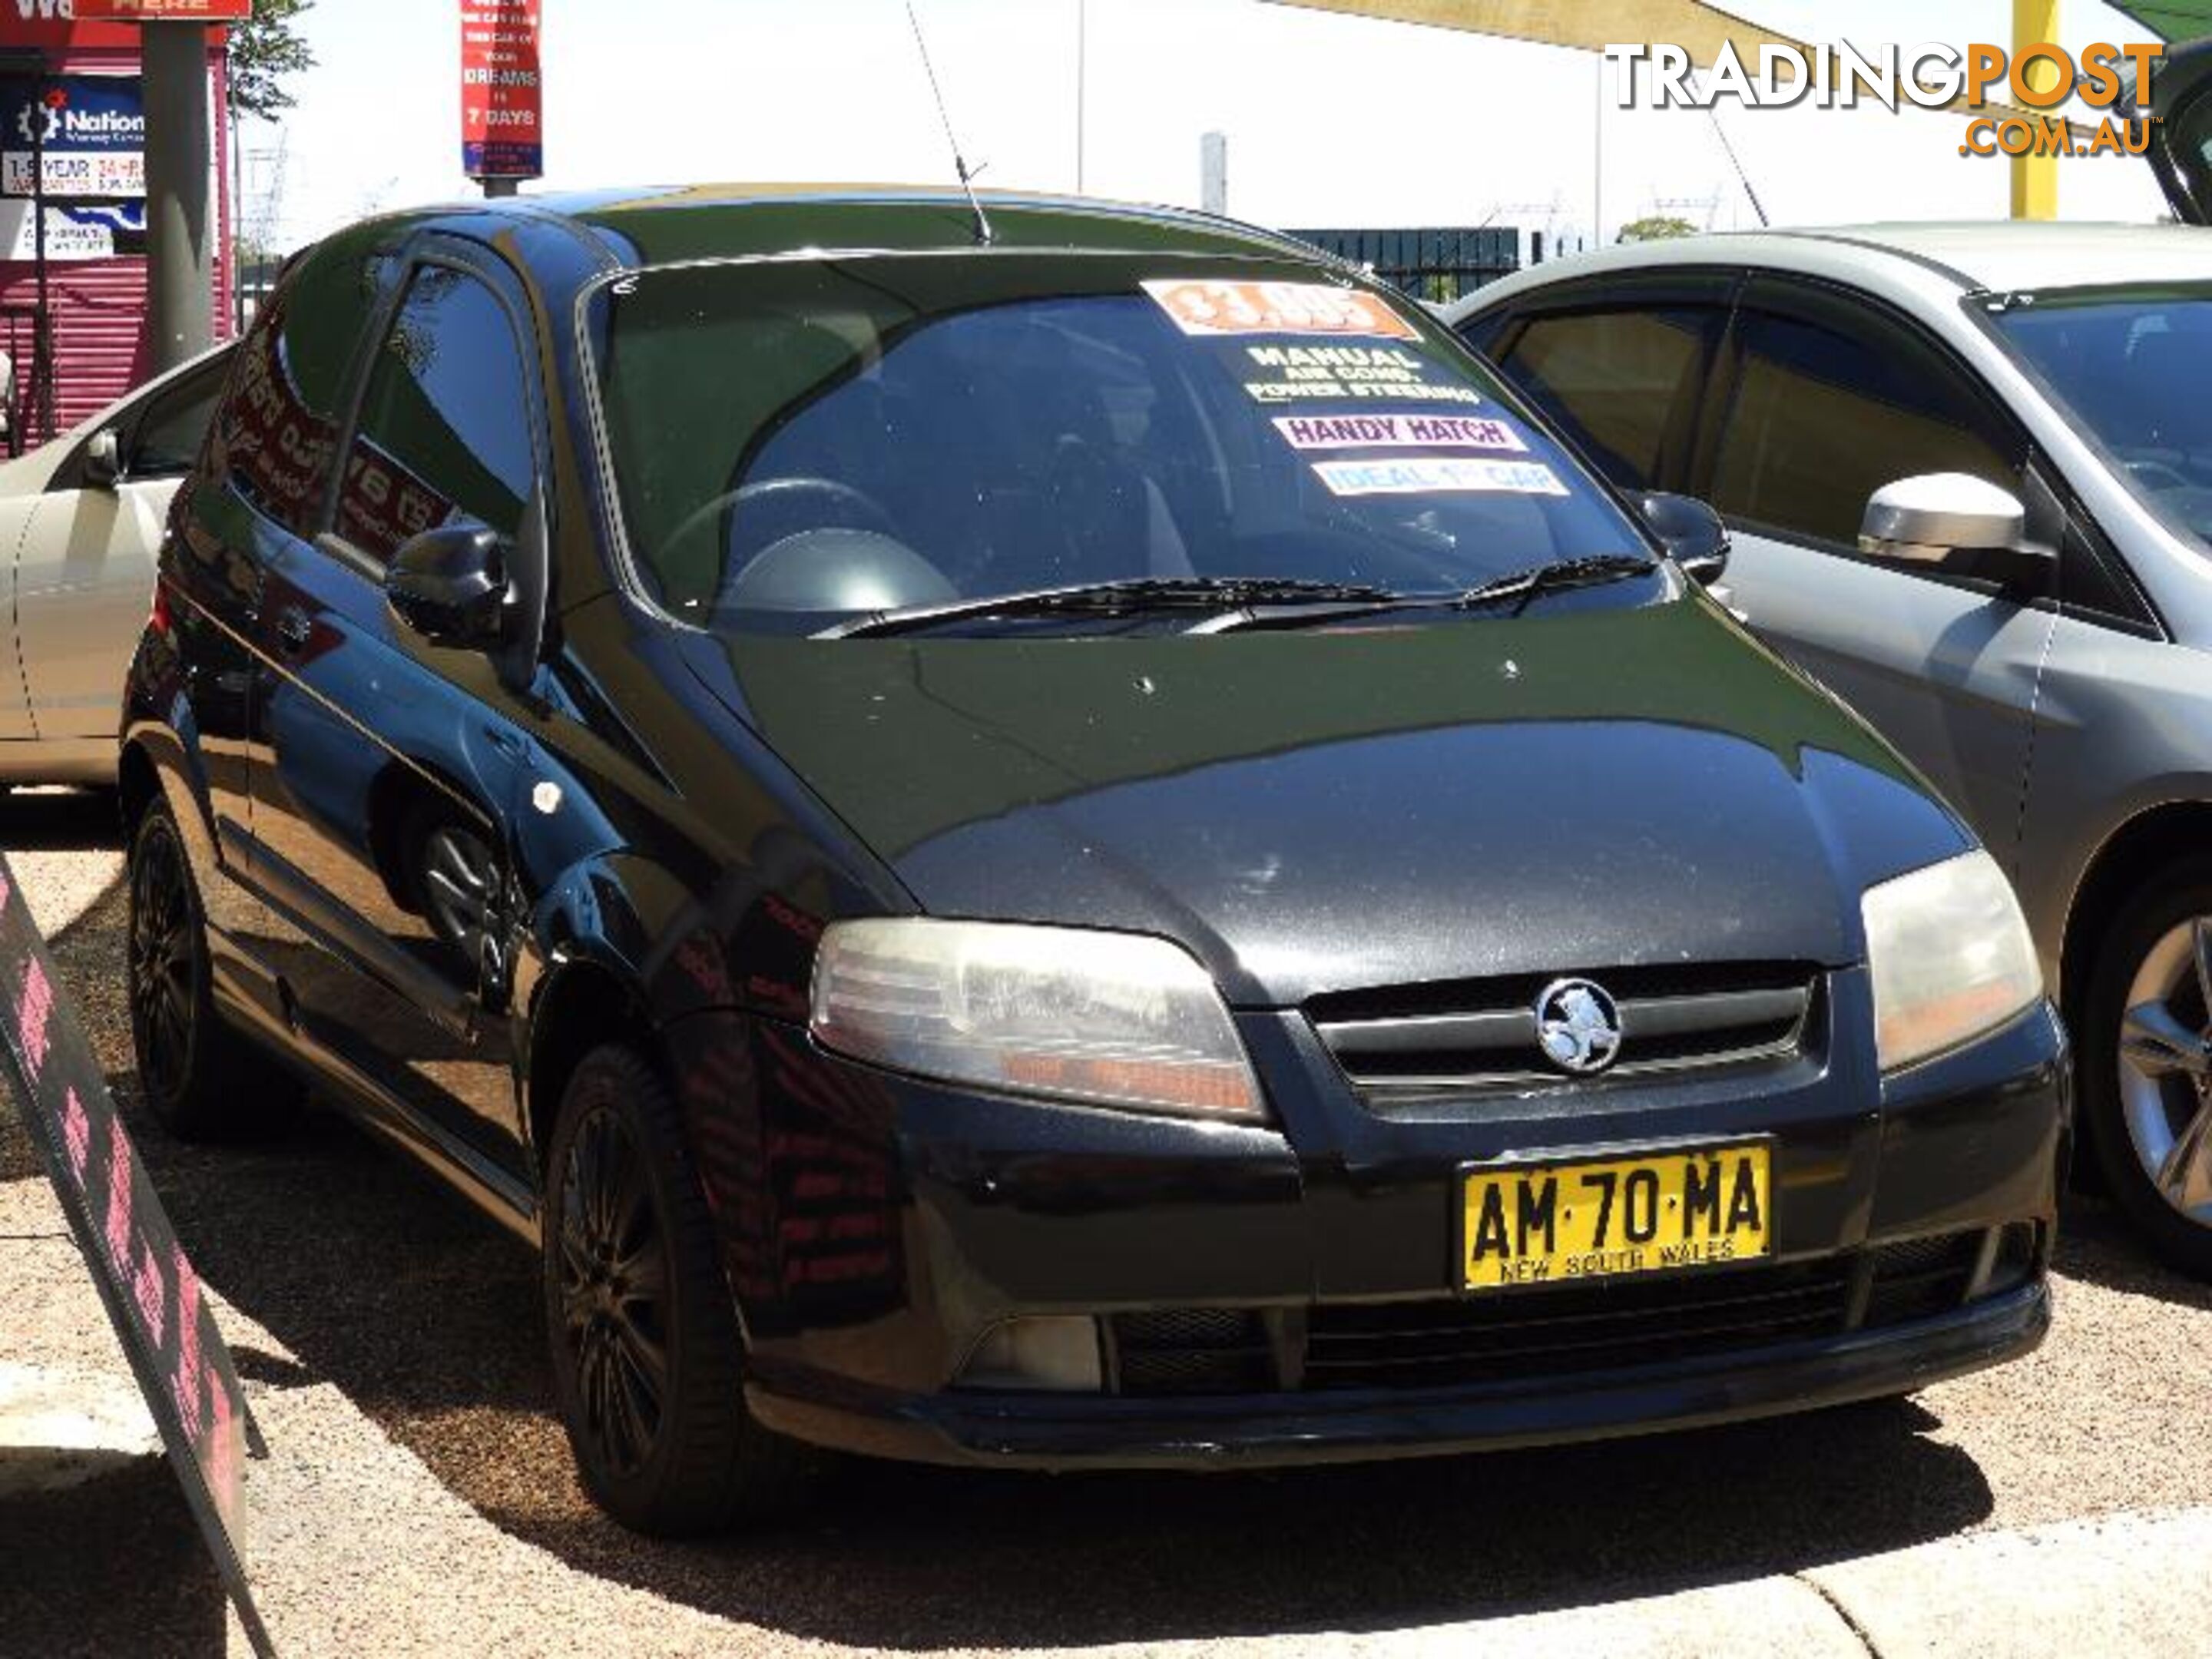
1968, 471
80, 519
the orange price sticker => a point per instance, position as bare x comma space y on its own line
1204, 306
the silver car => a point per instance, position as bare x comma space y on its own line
1968, 469
80, 519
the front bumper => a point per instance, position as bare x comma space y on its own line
1053, 1432
900, 1221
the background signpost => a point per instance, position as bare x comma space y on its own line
502, 93
153, 1297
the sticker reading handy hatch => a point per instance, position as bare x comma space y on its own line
1399, 432
1553, 1223
1202, 306
1438, 475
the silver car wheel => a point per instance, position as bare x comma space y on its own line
2165, 1067
457, 882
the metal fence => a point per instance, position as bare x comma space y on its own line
1436, 265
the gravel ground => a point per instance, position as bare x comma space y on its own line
421, 1500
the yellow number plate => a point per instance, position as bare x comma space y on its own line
1552, 1224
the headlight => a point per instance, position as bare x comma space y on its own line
1114, 1019
1950, 956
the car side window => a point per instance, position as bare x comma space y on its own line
169, 434
445, 431
1615, 380
277, 428
1834, 400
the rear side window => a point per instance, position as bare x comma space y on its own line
278, 429
1615, 380
1835, 402
445, 428
168, 438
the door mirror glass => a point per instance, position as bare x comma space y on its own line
1692, 534
450, 586
103, 460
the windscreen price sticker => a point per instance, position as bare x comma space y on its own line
1209, 309
1443, 474
1399, 432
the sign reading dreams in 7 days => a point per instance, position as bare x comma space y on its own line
153, 1297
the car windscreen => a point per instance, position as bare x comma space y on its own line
797, 442
2131, 366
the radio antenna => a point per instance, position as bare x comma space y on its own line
984, 235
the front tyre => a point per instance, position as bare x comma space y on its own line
2147, 1063
648, 1364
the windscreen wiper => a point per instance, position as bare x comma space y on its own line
1135, 596
1522, 585
1525, 585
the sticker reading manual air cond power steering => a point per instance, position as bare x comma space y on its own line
1205, 308
1438, 475
1276, 373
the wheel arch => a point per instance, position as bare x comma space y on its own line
583, 1003
2129, 857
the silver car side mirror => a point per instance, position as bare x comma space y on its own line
103, 460
1926, 520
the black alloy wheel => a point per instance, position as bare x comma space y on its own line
648, 1360
200, 1079
165, 967
613, 1273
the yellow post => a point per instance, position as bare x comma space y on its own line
2035, 178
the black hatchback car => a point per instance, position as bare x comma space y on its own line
1041, 834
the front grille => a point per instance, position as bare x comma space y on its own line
1193, 1351
1455, 1341
1482, 1033
1448, 1342
1922, 1277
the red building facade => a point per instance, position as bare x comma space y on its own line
96, 274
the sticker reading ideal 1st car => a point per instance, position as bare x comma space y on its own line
1424, 475
1204, 306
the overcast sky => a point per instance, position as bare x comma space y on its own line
1332, 120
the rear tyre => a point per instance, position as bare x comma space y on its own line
648, 1364
2146, 1063
199, 1078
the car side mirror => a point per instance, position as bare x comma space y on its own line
1692, 533
1954, 522
450, 586
103, 460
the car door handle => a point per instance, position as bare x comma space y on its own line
294, 629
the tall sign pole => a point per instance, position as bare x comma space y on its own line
2034, 177
502, 93
179, 232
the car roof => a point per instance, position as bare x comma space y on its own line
2001, 255
678, 223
